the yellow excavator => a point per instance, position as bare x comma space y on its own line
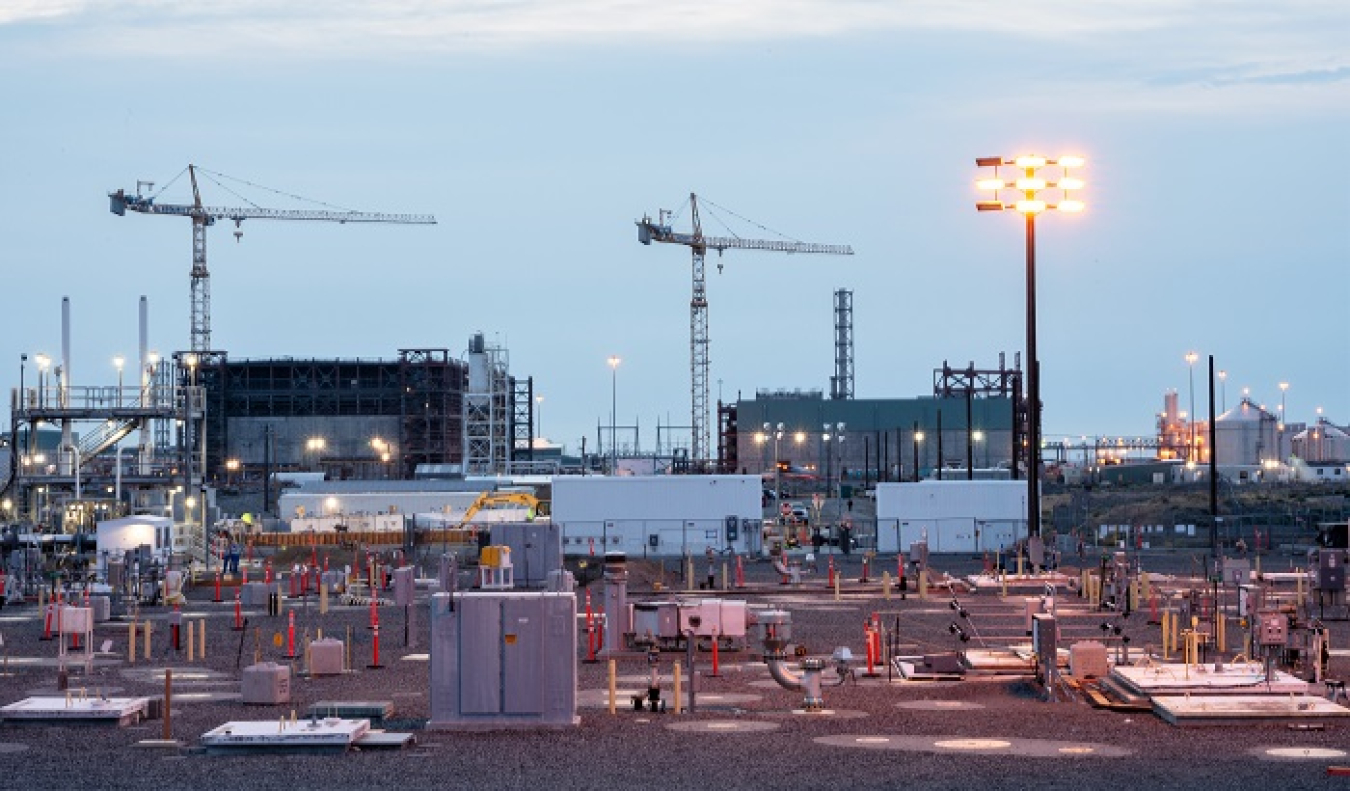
490, 500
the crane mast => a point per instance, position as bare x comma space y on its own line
699, 342
203, 216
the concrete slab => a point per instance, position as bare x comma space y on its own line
948, 745
122, 711
1176, 679
353, 709
331, 734
1019, 582
1245, 709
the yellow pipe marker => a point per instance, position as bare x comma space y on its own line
675, 674
146, 651
613, 685
886, 585
191, 643
131, 643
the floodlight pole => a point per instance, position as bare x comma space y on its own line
1033, 391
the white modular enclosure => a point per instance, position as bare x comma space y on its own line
658, 515
954, 516
132, 532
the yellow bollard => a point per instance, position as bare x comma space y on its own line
613, 685
1220, 634
689, 573
836, 586
726, 577
675, 675
146, 650
1146, 586
323, 598
923, 584
1005, 585
1163, 629
190, 641
1019, 565
131, 643
886, 585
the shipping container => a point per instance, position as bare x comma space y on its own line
954, 516
658, 515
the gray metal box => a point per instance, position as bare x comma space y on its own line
266, 683
102, 607
1087, 659
1274, 628
503, 659
536, 550
254, 594
1237, 571
1331, 569
405, 589
325, 657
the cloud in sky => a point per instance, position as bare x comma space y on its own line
159, 26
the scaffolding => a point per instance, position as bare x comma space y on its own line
487, 410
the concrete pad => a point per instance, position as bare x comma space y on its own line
1245, 709
353, 709
1298, 753
1019, 582
939, 705
122, 711
325, 735
717, 727
1176, 679
948, 745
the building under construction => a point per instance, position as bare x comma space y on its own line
368, 418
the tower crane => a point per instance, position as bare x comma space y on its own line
699, 245
204, 216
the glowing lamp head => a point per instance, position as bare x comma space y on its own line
1030, 206
1030, 161
1071, 161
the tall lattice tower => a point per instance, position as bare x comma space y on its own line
841, 384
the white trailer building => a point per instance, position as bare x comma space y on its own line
115, 536
658, 515
954, 516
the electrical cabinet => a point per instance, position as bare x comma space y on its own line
503, 660
1274, 629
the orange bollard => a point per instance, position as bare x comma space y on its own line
374, 615
864, 570
290, 636
267, 574
47, 623
740, 572
217, 600
867, 636
238, 611
830, 581
375, 646
716, 672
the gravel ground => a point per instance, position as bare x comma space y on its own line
752, 741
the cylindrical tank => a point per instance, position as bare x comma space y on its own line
616, 601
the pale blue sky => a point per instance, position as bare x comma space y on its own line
537, 132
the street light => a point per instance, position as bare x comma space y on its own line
539, 416
1191, 357
1284, 387
1031, 190
1223, 389
118, 362
977, 437
777, 433
614, 361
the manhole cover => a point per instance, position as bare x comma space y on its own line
1305, 752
